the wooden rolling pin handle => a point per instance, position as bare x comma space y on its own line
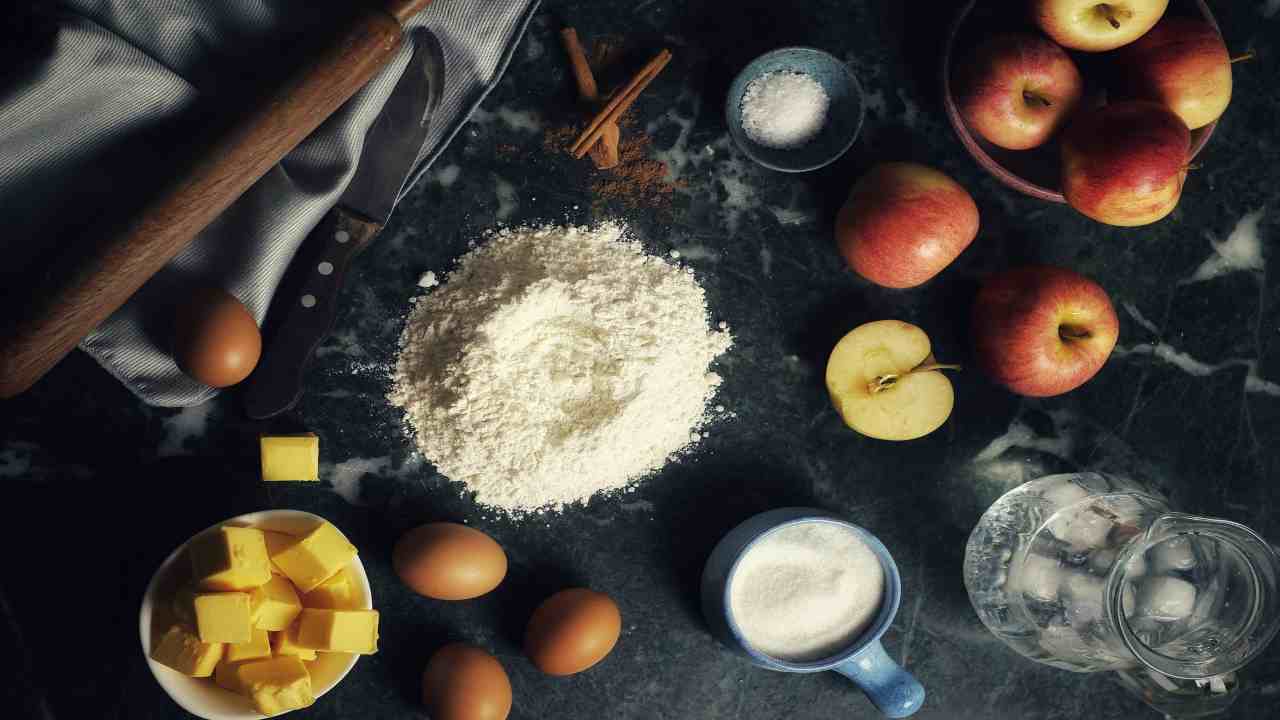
82, 290
402, 10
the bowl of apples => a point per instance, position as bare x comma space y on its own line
1099, 105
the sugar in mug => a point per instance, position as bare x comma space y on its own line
893, 690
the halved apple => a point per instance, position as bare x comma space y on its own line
885, 384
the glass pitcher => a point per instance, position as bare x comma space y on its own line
1090, 572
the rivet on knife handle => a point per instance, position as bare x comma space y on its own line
308, 311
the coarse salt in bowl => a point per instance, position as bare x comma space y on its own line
784, 79
200, 696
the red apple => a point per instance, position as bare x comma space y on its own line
1018, 89
903, 223
1182, 64
1124, 163
1041, 330
1095, 26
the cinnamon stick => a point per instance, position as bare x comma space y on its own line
604, 152
581, 68
620, 103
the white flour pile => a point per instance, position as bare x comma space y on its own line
806, 591
784, 109
555, 363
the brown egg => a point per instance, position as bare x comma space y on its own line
448, 561
216, 340
572, 630
462, 682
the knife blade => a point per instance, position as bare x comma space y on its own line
305, 306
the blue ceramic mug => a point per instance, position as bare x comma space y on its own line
893, 690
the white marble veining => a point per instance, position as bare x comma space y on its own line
697, 251
344, 477
187, 423
1241, 251
341, 342
15, 459
445, 175
1021, 435
910, 112
1164, 352
508, 201
677, 157
533, 47
873, 100
1253, 382
528, 121
766, 261
1139, 318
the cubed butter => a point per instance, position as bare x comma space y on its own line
224, 617
226, 677
275, 605
277, 541
351, 631
290, 457
315, 557
259, 646
230, 558
285, 642
181, 650
277, 685
336, 593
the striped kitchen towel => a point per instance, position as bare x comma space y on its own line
81, 115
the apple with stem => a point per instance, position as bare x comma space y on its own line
1182, 64
903, 223
1017, 89
1096, 26
1041, 330
1125, 163
885, 383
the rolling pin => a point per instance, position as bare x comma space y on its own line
81, 292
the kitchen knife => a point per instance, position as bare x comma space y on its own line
304, 308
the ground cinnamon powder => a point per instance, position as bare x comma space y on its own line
637, 181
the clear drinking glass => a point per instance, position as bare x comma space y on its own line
1090, 572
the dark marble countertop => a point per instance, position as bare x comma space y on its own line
104, 487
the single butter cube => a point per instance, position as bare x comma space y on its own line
316, 557
226, 677
277, 541
277, 685
181, 650
290, 457
259, 646
230, 558
224, 617
352, 631
275, 605
336, 593
285, 642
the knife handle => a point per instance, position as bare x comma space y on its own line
307, 304
81, 288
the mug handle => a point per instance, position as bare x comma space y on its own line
893, 690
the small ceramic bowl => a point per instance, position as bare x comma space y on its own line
844, 115
1032, 172
200, 696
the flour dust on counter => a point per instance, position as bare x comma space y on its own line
555, 363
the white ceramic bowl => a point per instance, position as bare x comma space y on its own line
200, 696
